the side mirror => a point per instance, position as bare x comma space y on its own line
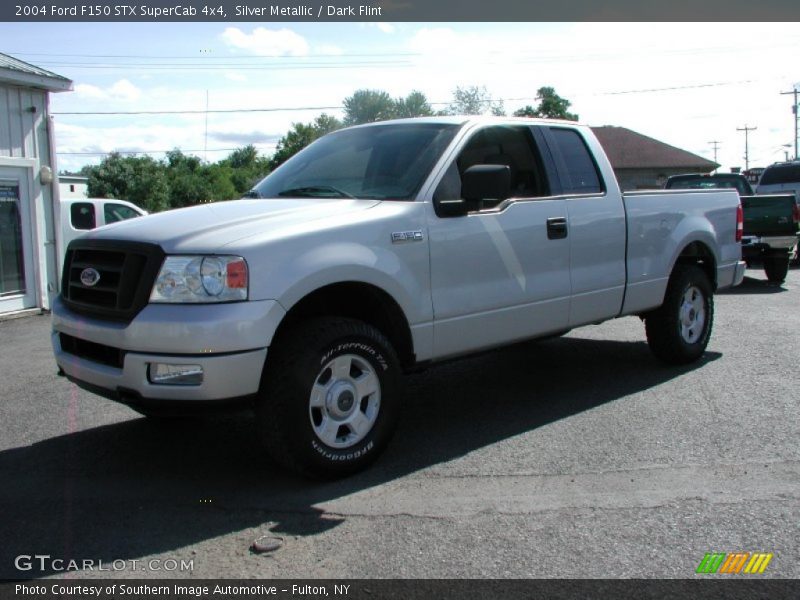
486, 182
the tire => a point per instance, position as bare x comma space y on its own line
678, 331
776, 268
329, 398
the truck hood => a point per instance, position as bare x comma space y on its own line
210, 227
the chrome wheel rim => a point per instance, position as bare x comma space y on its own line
345, 401
692, 315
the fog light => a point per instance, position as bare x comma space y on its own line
168, 374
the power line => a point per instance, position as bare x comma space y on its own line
196, 112
102, 153
208, 57
301, 108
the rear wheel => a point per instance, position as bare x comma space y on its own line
678, 331
776, 268
329, 397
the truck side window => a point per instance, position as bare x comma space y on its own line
118, 212
501, 145
581, 176
82, 215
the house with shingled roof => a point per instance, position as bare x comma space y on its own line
641, 162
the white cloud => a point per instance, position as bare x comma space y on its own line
235, 76
89, 91
267, 42
121, 90
124, 90
328, 50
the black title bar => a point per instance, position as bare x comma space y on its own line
398, 10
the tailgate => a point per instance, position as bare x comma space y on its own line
769, 215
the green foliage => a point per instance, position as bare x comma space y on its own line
367, 106
300, 136
178, 180
414, 105
474, 100
551, 106
138, 179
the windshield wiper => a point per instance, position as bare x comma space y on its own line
316, 191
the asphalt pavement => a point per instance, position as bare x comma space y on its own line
574, 457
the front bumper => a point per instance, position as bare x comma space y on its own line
228, 341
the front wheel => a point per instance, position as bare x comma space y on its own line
678, 331
329, 397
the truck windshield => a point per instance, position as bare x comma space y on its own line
383, 162
781, 174
703, 183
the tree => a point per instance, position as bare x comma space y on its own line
414, 105
187, 186
243, 168
474, 100
138, 179
368, 106
300, 136
551, 106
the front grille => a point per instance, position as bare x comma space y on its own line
100, 353
127, 271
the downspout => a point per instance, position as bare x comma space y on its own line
55, 194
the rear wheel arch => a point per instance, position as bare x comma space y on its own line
699, 254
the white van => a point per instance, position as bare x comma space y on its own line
79, 215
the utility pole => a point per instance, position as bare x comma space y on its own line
794, 112
715, 145
746, 130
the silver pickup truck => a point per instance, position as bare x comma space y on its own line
377, 250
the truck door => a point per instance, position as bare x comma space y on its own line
596, 221
501, 272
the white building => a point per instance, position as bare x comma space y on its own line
73, 186
29, 195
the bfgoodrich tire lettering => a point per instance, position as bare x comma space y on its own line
329, 397
678, 331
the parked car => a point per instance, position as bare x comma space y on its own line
79, 215
770, 220
380, 249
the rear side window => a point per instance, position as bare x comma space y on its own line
118, 212
781, 174
82, 215
581, 176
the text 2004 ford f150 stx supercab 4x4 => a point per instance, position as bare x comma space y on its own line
375, 250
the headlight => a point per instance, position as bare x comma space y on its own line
197, 279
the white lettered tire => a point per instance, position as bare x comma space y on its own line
329, 397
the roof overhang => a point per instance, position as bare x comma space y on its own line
31, 80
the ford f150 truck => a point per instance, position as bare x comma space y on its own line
771, 221
379, 249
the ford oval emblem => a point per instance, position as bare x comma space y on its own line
90, 277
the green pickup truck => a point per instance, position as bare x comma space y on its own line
770, 221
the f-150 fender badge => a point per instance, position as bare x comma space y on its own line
407, 236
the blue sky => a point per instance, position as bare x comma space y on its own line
685, 83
